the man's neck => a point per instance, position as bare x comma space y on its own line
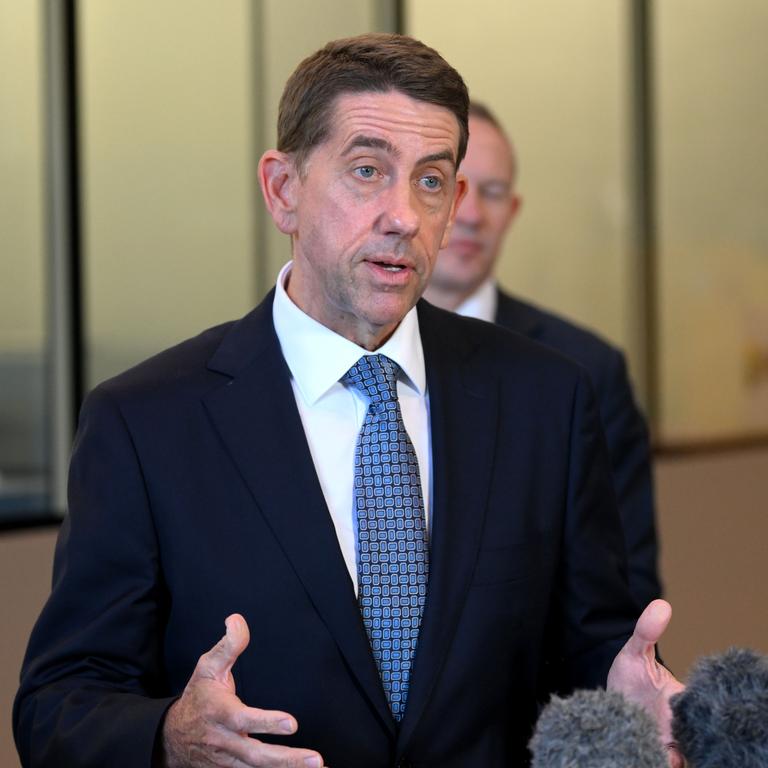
481, 303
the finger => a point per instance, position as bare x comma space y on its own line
650, 627
217, 663
279, 756
245, 720
252, 752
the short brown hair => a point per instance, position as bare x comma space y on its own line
371, 62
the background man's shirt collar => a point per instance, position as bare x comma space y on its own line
482, 304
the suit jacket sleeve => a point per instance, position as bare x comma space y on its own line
91, 681
594, 599
628, 445
625, 430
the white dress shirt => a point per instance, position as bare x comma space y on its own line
482, 303
333, 414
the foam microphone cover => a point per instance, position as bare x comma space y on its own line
721, 719
596, 729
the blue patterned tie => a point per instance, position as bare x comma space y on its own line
393, 561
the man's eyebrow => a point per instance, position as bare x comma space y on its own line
370, 141
437, 157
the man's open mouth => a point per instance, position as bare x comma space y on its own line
389, 266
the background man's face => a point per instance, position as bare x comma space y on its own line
484, 215
371, 212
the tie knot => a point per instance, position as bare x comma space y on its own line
375, 376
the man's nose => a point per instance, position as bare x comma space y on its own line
401, 214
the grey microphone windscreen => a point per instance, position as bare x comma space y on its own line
595, 729
721, 718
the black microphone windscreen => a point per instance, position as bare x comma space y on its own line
721, 719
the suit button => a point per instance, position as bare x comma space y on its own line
404, 764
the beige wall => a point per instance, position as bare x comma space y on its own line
556, 74
712, 76
713, 526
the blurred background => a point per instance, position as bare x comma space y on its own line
130, 218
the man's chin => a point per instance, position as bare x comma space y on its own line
458, 281
390, 308
459, 268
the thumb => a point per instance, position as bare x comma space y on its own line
217, 663
650, 627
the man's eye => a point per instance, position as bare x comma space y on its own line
431, 182
493, 191
365, 171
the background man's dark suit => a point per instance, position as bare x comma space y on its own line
193, 495
625, 430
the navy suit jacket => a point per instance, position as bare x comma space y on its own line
625, 431
193, 495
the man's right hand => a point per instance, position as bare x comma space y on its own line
209, 726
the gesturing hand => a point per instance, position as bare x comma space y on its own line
636, 673
209, 725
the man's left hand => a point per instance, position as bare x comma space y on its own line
636, 673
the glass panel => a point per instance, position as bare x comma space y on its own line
558, 83
169, 173
712, 77
23, 464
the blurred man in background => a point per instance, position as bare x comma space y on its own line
463, 281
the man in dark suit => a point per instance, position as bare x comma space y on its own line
463, 282
219, 478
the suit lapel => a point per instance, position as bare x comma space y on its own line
463, 414
257, 419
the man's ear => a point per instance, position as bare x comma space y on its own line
279, 181
460, 189
515, 202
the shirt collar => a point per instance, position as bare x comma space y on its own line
482, 303
319, 357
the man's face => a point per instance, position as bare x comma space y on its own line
371, 209
484, 215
